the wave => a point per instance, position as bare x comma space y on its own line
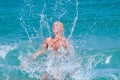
5, 49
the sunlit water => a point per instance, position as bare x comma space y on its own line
92, 27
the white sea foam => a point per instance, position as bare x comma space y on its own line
6, 76
5, 49
108, 59
71, 66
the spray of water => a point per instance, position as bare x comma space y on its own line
44, 23
77, 65
75, 20
58, 67
5, 49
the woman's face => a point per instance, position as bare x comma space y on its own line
56, 28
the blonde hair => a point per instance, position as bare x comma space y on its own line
60, 24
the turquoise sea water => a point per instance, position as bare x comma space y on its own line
92, 27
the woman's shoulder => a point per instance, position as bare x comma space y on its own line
48, 39
64, 38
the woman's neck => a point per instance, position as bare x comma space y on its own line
57, 36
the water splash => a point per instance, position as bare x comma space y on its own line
43, 24
78, 67
85, 64
5, 49
75, 20
22, 21
28, 10
108, 59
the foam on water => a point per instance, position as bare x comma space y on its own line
76, 66
108, 59
62, 64
5, 49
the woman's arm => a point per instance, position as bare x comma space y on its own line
42, 50
39, 52
36, 54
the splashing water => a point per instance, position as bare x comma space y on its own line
75, 20
5, 49
94, 52
78, 67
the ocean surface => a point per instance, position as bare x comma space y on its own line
91, 26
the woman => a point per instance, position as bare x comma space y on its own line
54, 44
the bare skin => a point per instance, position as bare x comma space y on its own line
54, 43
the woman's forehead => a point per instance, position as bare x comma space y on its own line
56, 23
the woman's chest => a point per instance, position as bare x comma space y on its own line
55, 44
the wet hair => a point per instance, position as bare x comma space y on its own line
60, 24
